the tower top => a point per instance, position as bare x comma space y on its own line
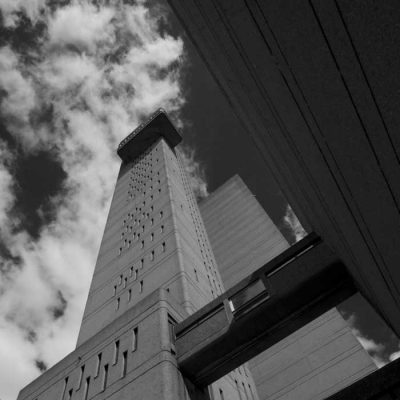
157, 125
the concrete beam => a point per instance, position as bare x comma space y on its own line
276, 300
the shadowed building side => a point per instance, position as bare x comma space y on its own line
318, 359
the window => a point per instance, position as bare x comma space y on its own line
105, 377
86, 391
98, 365
161, 214
142, 263
118, 302
244, 390
238, 389
162, 229
152, 255
129, 295
65, 388
142, 244
195, 274
125, 282
120, 280
136, 274
81, 376
116, 351
131, 271
251, 391
124, 363
70, 394
141, 287
134, 338
221, 394
152, 236
163, 246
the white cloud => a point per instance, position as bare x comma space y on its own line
291, 221
375, 350
395, 355
19, 95
195, 172
6, 185
10, 10
83, 25
97, 71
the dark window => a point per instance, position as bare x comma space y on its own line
64, 388
124, 363
116, 351
86, 391
134, 338
81, 376
105, 377
98, 365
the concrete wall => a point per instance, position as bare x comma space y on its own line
319, 359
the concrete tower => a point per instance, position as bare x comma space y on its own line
155, 267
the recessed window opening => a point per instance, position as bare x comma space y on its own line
124, 363
86, 391
65, 388
116, 351
105, 377
129, 295
82, 371
134, 338
118, 302
98, 364
245, 392
141, 287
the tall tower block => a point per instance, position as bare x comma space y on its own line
154, 236
155, 267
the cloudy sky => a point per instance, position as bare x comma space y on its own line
75, 78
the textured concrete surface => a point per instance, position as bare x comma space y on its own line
317, 360
315, 84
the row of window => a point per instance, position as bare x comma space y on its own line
118, 301
135, 236
102, 368
214, 282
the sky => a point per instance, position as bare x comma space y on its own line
76, 77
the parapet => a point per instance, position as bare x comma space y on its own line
158, 125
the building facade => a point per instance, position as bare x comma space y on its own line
155, 267
317, 360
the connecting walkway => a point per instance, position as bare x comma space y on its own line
282, 296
